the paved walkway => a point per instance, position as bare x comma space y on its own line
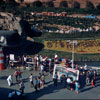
49, 92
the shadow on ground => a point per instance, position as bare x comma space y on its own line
4, 94
45, 91
26, 47
3, 77
89, 87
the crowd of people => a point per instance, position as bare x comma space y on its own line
46, 64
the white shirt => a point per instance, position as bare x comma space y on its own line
24, 58
56, 55
31, 78
85, 67
68, 80
9, 78
42, 67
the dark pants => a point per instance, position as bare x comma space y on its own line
64, 84
16, 78
55, 82
36, 87
68, 86
22, 90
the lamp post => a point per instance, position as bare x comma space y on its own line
74, 42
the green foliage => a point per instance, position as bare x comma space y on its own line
82, 23
37, 4
98, 6
39, 9
76, 5
50, 4
63, 4
2, 2
78, 57
12, 2
76, 36
89, 5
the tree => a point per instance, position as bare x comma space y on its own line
63, 4
20, 1
37, 4
76, 5
2, 2
11, 2
98, 6
89, 5
50, 4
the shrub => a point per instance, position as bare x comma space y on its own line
63, 4
2, 2
89, 5
98, 6
76, 5
37, 4
50, 4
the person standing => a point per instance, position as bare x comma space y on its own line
19, 60
7, 61
40, 58
64, 81
19, 75
22, 60
77, 87
55, 79
31, 80
93, 83
68, 83
86, 68
41, 68
9, 80
55, 56
16, 75
22, 87
94, 74
43, 79
49, 65
41, 83
25, 59
87, 78
36, 84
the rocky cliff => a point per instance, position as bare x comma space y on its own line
9, 22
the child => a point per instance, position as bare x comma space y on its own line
36, 84
31, 80
16, 75
19, 74
77, 87
22, 87
93, 83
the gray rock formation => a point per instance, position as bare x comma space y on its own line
9, 22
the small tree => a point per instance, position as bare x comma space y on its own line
37, 4
50, 4
76, 5
21, 1
2, 2
98, 6
63, 4
11, 2
89, 5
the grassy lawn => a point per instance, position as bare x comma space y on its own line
78, 36
78, 57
